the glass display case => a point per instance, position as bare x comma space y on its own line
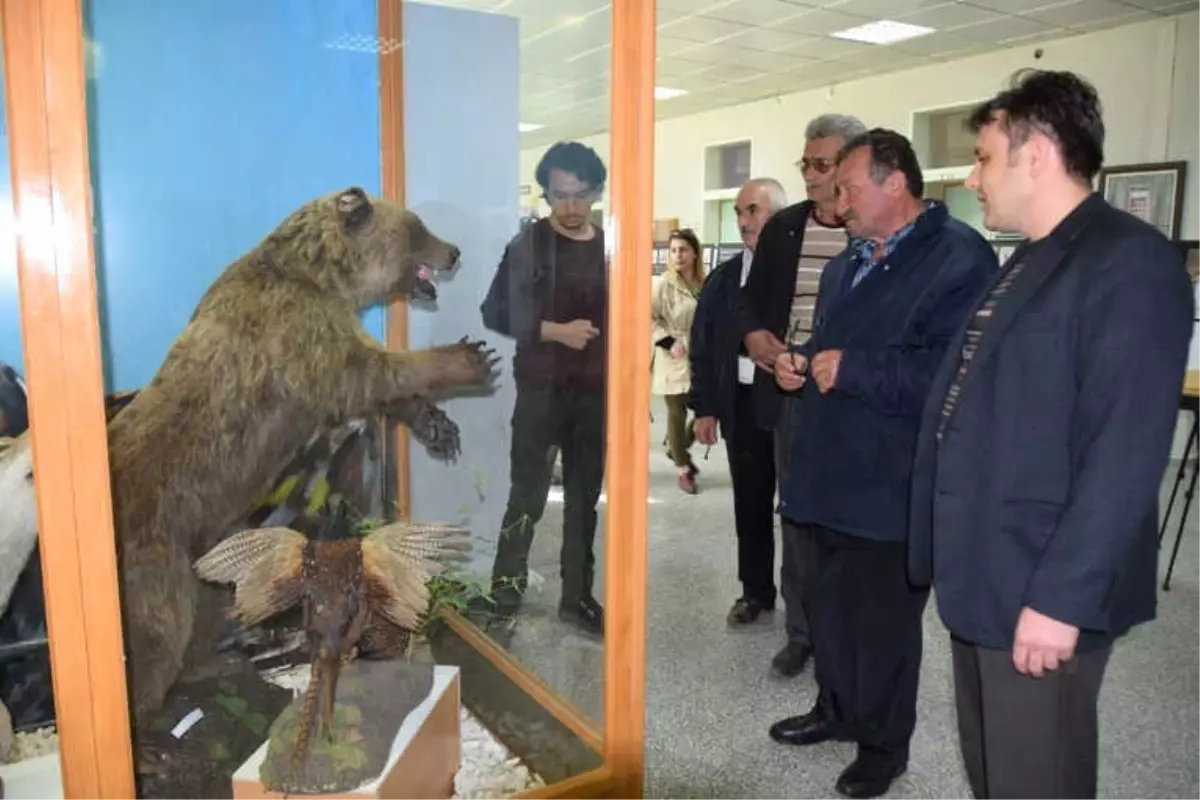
335, 454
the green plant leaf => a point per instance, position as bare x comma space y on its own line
220, 752
236, 706
257, 722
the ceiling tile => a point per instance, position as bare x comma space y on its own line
824, 72
1152, 5
561, 10
885, 59
1082, 12
1014, 6
951, 15
668, 67
1183, 7
964, 49
697, 83
691, 6
665, 15
1045, 35
728, 73
476, 5
721, 53
701, 29
1111, 22
672, 47
763, 38
1003, 28
756, 12
591, 60
771, 62
533, 83
821, 49
935, 44
821, 22
885, 9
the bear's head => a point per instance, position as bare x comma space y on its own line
395, 252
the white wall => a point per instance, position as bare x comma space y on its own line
1146, 75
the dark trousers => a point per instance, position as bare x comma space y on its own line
797, 575
752, 468
867, 633
1023, 736
574, 420
680, 435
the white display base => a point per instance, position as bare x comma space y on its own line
424, 758
38, 778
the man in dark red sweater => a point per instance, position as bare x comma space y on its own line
550, 293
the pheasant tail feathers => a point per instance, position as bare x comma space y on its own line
265, 565
399, 560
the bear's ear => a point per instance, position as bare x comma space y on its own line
354, 207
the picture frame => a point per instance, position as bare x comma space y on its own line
1191, 258
1152, 192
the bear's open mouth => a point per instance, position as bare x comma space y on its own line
425, 286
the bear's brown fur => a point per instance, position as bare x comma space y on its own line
274, 351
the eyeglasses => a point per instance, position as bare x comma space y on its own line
821, 165
586, 196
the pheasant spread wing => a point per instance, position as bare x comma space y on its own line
398, 561
266, 565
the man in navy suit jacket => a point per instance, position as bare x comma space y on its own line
886, 311
723, 393
1043, 445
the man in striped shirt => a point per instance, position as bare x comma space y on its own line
775, 310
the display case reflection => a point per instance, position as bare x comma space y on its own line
289, 628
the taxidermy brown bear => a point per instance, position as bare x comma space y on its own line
274, 352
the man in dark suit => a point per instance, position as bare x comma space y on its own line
886, 311
776, 306
722, 393
1043, 445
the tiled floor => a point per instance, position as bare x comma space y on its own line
710, 698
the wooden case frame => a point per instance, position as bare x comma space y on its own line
47, 118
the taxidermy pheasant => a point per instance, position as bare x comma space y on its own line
350, 588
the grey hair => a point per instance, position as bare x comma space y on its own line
843, 126
775, 191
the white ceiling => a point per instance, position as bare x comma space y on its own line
724, 52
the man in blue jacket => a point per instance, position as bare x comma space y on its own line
1044, 441
723, 393
886, 311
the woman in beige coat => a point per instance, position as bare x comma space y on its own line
672, 308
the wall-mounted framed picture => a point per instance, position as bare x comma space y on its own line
1191, 258
1152, 192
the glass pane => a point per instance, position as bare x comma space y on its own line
28, 741
245, 259
535, 450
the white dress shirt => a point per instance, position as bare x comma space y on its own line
745, 365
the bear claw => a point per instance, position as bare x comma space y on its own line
433, 428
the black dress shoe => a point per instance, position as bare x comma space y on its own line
871, 774
746, 610
487, 609
789, 662
586, 614
809, 728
